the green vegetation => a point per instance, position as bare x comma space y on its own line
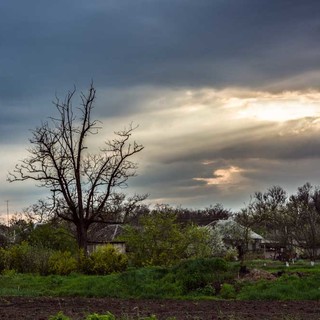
166, 259
287, 287
62, 263
25, 258
161, 240
191, 279
106, 259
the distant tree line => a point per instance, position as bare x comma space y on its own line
291, 221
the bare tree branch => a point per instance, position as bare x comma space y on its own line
82, 184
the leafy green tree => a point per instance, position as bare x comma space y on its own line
161, 240
197, 241
51, 236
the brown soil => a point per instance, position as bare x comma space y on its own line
256, 275
77, 308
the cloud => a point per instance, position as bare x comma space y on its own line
200, 146
167, 43
230, 83
223, 177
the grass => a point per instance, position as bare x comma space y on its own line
287, 287
185, 281
275, 266
191, 279
141, 283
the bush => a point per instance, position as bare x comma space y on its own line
106, 259
24, 258
231, 254
62, 263
227, 291
198, 273
149, 283
18, 258
3, 259
85, 263
162, 241
95, 316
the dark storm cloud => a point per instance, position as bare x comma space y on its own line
134, 49
48, 47
268, 148
190, 43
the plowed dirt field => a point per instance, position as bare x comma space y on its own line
77, 308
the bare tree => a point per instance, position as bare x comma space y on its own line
40, 212
304, 212
82, 184
270, 215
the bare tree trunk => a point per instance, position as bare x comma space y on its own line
82, 184
82, 237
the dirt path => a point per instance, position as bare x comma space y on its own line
41, 308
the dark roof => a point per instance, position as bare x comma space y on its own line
100, 233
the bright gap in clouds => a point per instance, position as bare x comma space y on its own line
224, 176
254, 108
278, 107
277, 111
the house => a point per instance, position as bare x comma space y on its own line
236, 235
101, 234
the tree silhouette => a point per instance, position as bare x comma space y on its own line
82, 184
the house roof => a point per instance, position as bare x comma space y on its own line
100, 233
253, 235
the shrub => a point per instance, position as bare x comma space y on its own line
85, 263
231, 254
162, 241
106, 259
227, 291
95, 316
40, 257
198, 273
62, 263
149, 282
208, 290
18, 258
25, 259
3, 259
9, 273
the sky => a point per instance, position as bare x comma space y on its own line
225, 92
